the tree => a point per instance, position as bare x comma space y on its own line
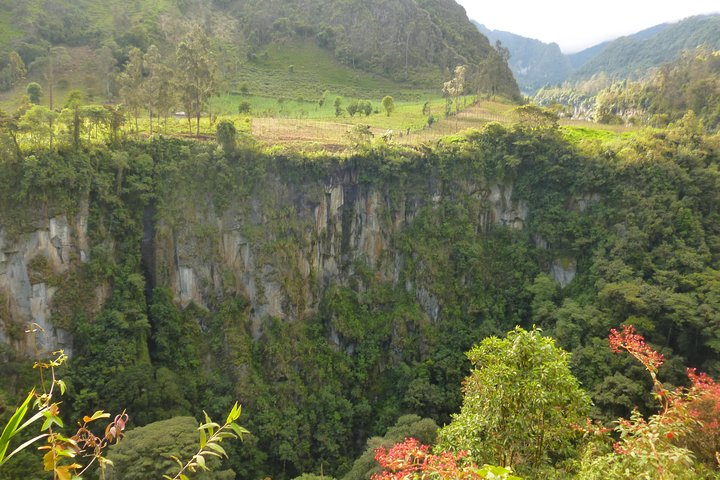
105, 63
73, 106
337, 104
455, 87
196, 73
520, 405
352, 108
131, 82
16, 68
9, 135
56, 56
34, 91
388, 104
226, 134
158, 88
39, 123
534, 117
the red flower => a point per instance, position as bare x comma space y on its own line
634, 343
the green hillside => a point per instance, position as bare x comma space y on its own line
633, 56
255, 42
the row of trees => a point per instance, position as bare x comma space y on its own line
148, 83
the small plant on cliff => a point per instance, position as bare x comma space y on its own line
211, 435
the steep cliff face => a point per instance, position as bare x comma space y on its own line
281, 250
30, 265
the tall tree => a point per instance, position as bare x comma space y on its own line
73, 106
455, 87
16, 66
131, 82
521, 403
56, 57
159, 91
196, 73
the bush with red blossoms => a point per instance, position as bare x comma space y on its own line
412, 460
667, 444
704, 407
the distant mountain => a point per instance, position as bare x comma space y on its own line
633, 56
580, 58
534, 63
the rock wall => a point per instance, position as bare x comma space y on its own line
279, 248
282, 263
57, 244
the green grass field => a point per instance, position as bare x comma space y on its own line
302, 70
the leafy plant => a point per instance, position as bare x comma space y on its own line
211, 435
521, 403
66, 457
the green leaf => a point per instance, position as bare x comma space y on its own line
96, 416
217, 448
234, 413
51, 420
12, 427
240, 431
26, 444
209, 426
203, 438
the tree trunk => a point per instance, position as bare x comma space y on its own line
198, 124
76, 129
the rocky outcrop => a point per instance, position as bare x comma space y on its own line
283, 248
54, 246
563, 270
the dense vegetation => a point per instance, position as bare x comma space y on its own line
334, 295
418, 43
690, 83
637, 220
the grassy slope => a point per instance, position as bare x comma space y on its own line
314, 70
8, 30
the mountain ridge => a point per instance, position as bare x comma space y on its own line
627, 57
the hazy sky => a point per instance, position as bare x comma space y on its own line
578, 24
